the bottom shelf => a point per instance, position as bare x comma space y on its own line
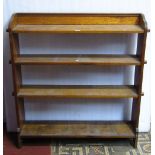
68, 129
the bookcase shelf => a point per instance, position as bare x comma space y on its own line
76, 129
77, 24
78, 59
78, 91
78, 29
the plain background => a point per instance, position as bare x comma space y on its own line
80, 74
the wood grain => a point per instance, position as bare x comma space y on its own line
78, 29
75, 19
77, 59
77, 23
78, 129
78, 91
17, 78
138, 80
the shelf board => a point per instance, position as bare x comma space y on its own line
67, 129
77, 59
78, 91
78, 29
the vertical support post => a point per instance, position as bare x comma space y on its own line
17, 81
138, 80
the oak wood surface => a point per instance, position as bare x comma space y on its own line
78, 59
75, 19
78, 29
78, 23
138, 79
78, 129
78, 91
17, 78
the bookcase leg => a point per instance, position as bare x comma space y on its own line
19, 141
134, 142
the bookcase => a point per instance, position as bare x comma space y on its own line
77, 24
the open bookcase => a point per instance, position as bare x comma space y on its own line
84, 24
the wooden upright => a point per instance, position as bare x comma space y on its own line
78, 23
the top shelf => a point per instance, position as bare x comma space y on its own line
78, 29
77, 23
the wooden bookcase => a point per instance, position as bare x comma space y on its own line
78, 23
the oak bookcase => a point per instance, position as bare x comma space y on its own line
76, 24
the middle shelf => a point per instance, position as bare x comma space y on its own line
76, 91
86, 59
